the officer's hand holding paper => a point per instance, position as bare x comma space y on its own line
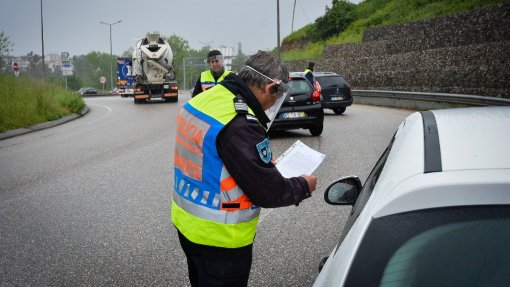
300, 160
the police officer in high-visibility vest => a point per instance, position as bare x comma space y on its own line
309, 73
213, 76
224, 171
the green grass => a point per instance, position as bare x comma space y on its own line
310, 51
374, 13
26, 102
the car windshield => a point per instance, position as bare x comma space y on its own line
327, 82
456, 246
299, 86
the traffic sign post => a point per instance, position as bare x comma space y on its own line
67, 66
102, 80
15, 67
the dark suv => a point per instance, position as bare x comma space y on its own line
302, 107
335, 90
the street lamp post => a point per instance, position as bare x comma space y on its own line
278, 27
42, 41
111, 54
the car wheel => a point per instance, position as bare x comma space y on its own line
339, 111
317, 130
137, 101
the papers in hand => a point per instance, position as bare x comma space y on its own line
299, 159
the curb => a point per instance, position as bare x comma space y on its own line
45, 125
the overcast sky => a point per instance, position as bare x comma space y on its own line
73, 25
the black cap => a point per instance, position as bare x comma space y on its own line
213, 53
311, 65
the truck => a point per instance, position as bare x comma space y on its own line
125, 79
153, 70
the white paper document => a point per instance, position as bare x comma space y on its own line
299, 159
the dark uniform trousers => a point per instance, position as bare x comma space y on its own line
210, 266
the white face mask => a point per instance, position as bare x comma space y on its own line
273, 110
283, 89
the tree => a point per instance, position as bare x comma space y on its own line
34, 68
5, 47
180, 49
239, 60
334, 21
89, 68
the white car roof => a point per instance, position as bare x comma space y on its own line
471, 166
471, 158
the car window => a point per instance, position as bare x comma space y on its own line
327, 82
366, 191
299, 86
455, 246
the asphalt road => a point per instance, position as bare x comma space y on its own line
87, 203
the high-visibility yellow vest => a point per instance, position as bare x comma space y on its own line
208, 207
207, 79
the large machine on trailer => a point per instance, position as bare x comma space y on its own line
153, 70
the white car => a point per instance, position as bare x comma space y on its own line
435, 210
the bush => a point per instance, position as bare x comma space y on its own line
336, 19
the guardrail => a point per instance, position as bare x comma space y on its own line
423, 101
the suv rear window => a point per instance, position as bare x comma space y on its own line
299, 86
330, 81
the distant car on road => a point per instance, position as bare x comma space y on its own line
335, 90
434, 211
302, 107
87, 91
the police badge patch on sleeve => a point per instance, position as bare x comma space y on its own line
265, 152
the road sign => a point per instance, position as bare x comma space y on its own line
64, 55
102, 80
15, 66
67, 73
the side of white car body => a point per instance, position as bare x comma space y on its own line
475, 170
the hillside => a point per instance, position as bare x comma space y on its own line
463, 53
351, 22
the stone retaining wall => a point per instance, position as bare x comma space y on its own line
466, 53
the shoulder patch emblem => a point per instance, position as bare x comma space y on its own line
264, 150
240, 105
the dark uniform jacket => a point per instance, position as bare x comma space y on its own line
236, 145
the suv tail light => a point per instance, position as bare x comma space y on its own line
316, 96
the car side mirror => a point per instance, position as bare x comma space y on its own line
344, 191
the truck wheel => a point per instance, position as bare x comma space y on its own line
137, 101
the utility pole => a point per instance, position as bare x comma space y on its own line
278, 26
42, 42
111, 54
293, 11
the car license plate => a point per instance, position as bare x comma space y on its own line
293, 115
337, 98
166, 86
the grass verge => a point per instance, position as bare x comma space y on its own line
26, 101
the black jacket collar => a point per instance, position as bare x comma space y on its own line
235, 85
